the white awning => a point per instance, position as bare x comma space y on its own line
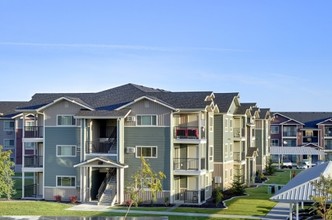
295, 151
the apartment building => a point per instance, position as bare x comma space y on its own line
303, 129
90, 144
11, 132
241, 140
263, 137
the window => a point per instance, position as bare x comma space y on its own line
145, 183
274, 129
211, 153
147, 152
275, 142
66, 181
231, 150
226, 124
29, 145
146, 120
226, 150
8, 143
8, 125
66, 120
230, 125
66, 151
211, 124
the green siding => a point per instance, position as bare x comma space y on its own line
60, 165
218, 138
259, 145
150, 136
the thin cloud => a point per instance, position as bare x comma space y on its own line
120, 47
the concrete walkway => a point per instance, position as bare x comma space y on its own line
279, 211
91, 207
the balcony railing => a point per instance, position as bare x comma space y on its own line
289, 133
190, 196
310, 139
33, 131
33, 161
237, 156
185, 163
109, 147
186, 132
31, 191
238, 132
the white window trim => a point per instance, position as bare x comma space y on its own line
275, 140
226, 124
10, 147
138, 156
62, 145
56, 179
151, 120
8, 122
230, 125
62, 115
275, 132
211, 150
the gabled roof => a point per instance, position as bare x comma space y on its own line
224, 100
7, 109
100, 162
152, 99
244, 108
76, 101
299, 189
309, 119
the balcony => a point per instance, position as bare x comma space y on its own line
290, 134
32, 161
311, 139
100, 147
238, 132
186, 133
191, 164
32, 191
238, 157
190, 196
33, 131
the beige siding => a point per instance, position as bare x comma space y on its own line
147, 107
62, 107
65, 193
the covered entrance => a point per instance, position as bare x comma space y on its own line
102, 181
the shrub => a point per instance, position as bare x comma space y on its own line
73, 199
57, 198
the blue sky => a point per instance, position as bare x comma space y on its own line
276, 53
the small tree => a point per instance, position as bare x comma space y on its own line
269, 168
6, 173
217, 195
323, 196
144, 178
238, 187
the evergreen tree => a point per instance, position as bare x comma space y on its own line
6, 174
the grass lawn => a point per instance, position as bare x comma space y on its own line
282, 176
257, 203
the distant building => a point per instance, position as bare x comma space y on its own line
303, 129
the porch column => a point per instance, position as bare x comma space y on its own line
121, 185
290, 210
297, 211
199, 189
